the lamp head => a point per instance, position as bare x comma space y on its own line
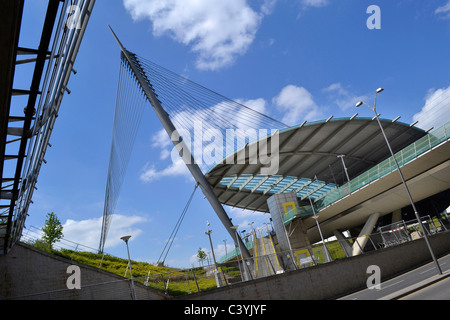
359, 104
379, 90
125, 238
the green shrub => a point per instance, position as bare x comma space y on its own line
180, 282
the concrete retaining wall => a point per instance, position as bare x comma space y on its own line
29, 273
334, 279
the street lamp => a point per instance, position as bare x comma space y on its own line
401, 176
217, 272
235, 227
345, 168
316, 217
133, 292
225, 242
208, 233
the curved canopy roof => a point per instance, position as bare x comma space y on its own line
309, 160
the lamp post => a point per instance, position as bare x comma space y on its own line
217, 272
316, 217
133, 292
208, 233
401, 176
225, 242
254, 232
235, 227
345, 168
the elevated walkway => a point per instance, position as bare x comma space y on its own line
334, 279
425, 165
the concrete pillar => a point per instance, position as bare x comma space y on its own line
345, 244
397, 215
279, 205
362, 239
274, 203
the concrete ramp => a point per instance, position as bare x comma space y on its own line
266, 260
334, 279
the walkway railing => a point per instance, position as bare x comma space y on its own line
32, 234
238, 270
202, 278
385, 167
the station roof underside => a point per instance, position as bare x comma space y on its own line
309, 161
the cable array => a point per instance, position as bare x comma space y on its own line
130, 104
188, 105
172, 236
436, 110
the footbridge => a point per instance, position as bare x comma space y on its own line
310, 168
336, 173
425, 165
321, 209
28, 109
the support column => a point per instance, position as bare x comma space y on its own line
346, 246
397, 215
288, 240
179, 144
361, 241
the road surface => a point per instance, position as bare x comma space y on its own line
426, 275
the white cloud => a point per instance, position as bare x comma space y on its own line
268, 6
176, 168
218, 31
204, 118
314, 3
195, 261
443, 11
248, 219
161, 139
296, 104
436, 109
342, 96
306, 4
87, 232
238, 213
258, 105
219, 252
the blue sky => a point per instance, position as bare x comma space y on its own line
293, 60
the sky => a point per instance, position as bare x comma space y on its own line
293, 60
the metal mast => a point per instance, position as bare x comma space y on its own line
180, 144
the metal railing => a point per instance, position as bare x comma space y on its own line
380, 170
237, 269
387, 166
31, 234
66, 42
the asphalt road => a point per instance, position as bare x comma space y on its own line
410, 281
437, 291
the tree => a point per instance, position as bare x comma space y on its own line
201, 255
52, 229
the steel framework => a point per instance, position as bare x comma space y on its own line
26, 142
